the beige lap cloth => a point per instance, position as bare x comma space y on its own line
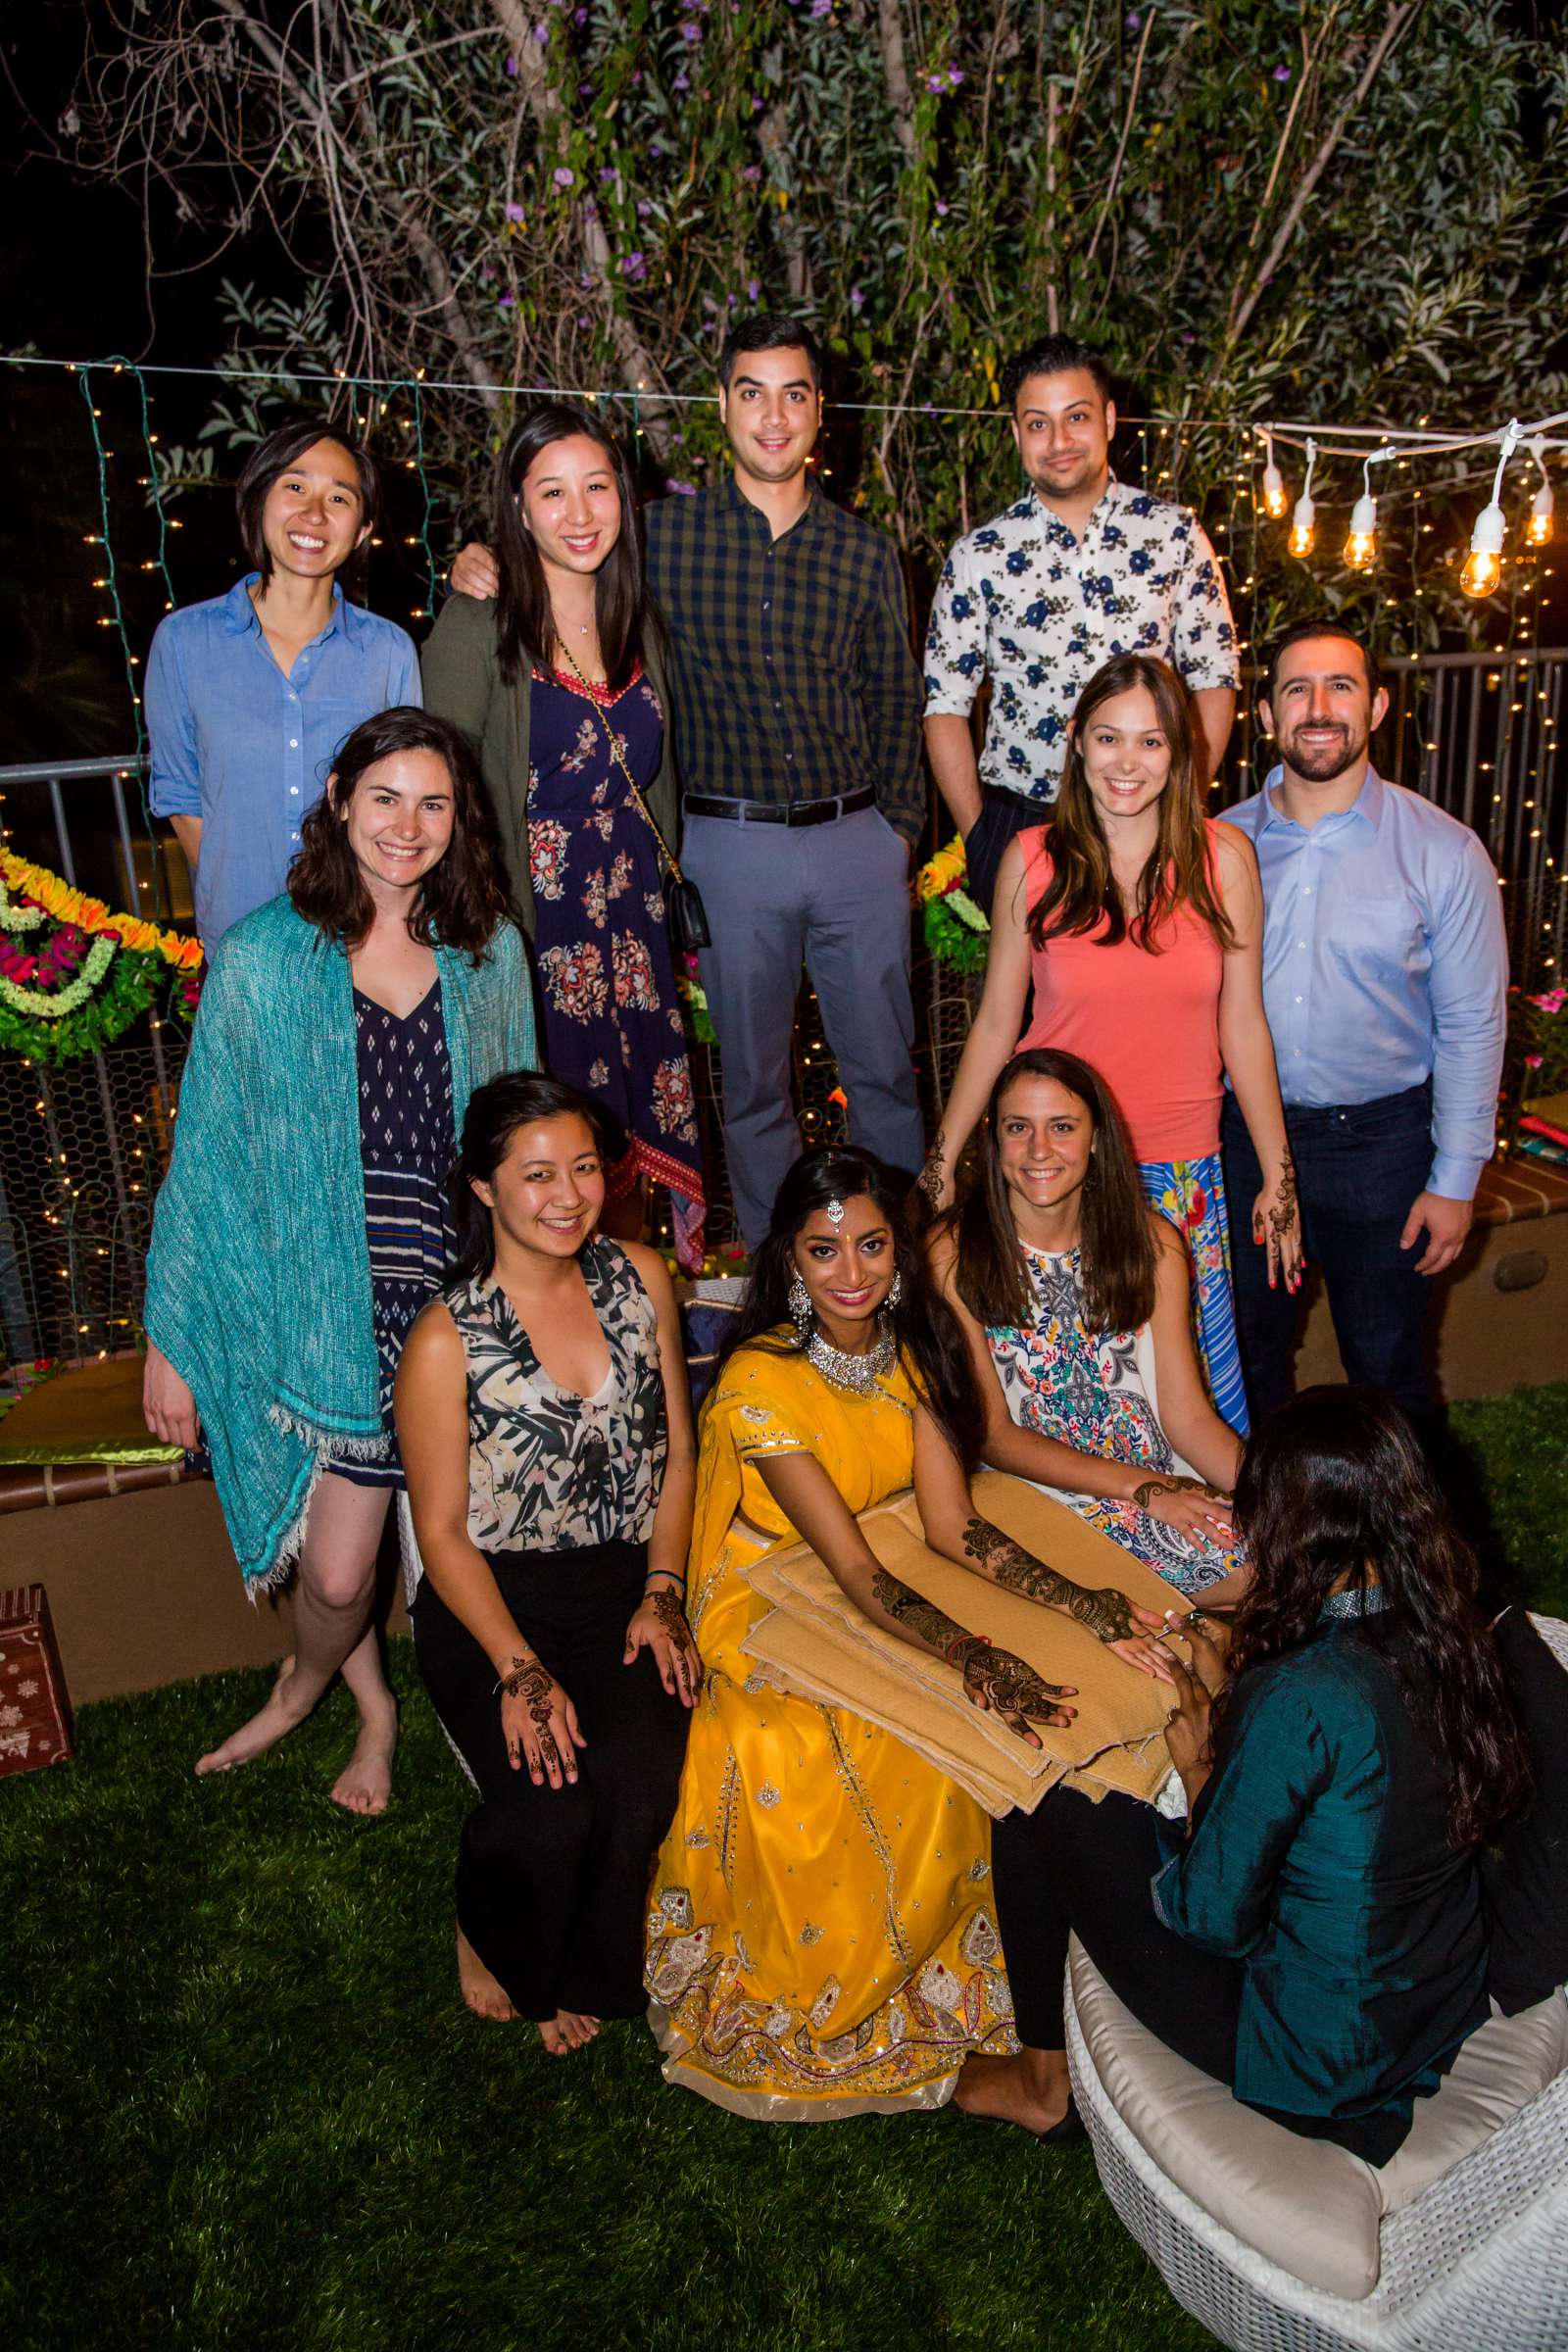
816, 1643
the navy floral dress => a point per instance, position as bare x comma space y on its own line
612, 1019
408, 1144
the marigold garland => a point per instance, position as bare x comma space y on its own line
73, 974
956, 933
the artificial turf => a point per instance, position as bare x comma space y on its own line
245, 2108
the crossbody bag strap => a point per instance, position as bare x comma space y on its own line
619, 757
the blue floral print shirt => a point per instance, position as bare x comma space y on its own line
1022, 601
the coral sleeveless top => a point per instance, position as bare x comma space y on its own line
1149, 1023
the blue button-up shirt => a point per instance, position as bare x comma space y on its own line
1384, 963
248, 749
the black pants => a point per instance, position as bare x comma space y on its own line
1002, 816
553, 1882
1075, 1868
1359, 1168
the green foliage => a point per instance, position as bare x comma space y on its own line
1352, 209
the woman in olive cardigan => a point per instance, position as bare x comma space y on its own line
557, 685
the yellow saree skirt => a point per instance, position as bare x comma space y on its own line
821, 1940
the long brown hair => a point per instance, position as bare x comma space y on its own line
1118, 1252
1335, 1486
526, 632
1081, 887
460, 899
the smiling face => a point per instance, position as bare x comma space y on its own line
1321, 712
848, 1269
1045, 1144
398, 819
1126, 754
771, 409
313, 518
549, 1190
1062, 426
570, 505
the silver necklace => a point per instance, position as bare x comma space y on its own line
857, 1375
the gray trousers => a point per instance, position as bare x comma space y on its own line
836, 898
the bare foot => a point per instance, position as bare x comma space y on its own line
481, 1989
552, 2036
284, 1710
1001, 2090
365, 1783
578, 2028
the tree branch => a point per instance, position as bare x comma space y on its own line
894, 66
1126, 134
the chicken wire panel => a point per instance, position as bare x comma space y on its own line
83, 1151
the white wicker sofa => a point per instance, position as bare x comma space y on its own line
1282, 2244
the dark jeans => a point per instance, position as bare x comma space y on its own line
553, 1882
1002, 816
1359, 1167
1075, 1868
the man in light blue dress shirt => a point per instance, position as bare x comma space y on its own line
250, 695
1385, 975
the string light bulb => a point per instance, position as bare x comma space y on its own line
1483, 565
1361, 545
1304, 523
1537, 528
1275, 501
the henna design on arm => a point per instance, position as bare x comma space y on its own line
1108, 1613
933, 1629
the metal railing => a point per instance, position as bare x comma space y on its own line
83, 1149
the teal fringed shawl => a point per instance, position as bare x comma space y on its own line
259, 1278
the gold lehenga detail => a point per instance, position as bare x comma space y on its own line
830, 1949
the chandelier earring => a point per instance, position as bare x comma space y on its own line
799, 1303
896, 1292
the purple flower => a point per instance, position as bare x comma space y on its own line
541, 34
954, 76
690, 31
644, 208
579, 16
856, 299
585, 89
511, 65
1282, 73
681, 489
1133, 20
634, 266
934, 81
821, 8
751, 173
565, 177
582, 321
513, 212
753, 289
942, 207
606, 173
758, 105
507, 301
682, 81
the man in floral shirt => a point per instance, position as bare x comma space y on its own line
1080, 568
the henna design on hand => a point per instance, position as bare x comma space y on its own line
1004, 1683
929, 1181
1108, 1613
669, 1607
533, 1682
1282, 1216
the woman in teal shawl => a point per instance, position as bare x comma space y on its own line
302, 1223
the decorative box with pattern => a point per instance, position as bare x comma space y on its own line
34, 1708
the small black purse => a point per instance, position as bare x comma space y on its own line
685, 915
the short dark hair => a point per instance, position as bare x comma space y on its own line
271, 459
1053, 355
524, 630
461, 900
769, 330
495, 1112
1322, 625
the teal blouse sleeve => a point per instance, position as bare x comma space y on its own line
1272, 1762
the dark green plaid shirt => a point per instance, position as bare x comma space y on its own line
791, 672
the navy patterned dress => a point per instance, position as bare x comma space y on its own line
612, 1019
408, 1144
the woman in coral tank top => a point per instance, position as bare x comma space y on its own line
1139, 922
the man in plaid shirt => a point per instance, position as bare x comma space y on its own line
796, 710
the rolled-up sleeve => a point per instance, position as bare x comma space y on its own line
955, 641
1469, 985
1271, 1761
175, 781
1205, 634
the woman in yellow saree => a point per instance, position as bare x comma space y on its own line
821, 1934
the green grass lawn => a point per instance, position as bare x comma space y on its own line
246, 2109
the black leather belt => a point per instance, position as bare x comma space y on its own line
781, 813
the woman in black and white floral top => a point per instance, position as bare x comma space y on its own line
546, 1432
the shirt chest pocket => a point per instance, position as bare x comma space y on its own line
1380, 932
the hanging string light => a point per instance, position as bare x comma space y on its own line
1483, 565
1304, 523
1538, 529
1361, 545
1274, 497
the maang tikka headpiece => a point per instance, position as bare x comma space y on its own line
834, 1212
